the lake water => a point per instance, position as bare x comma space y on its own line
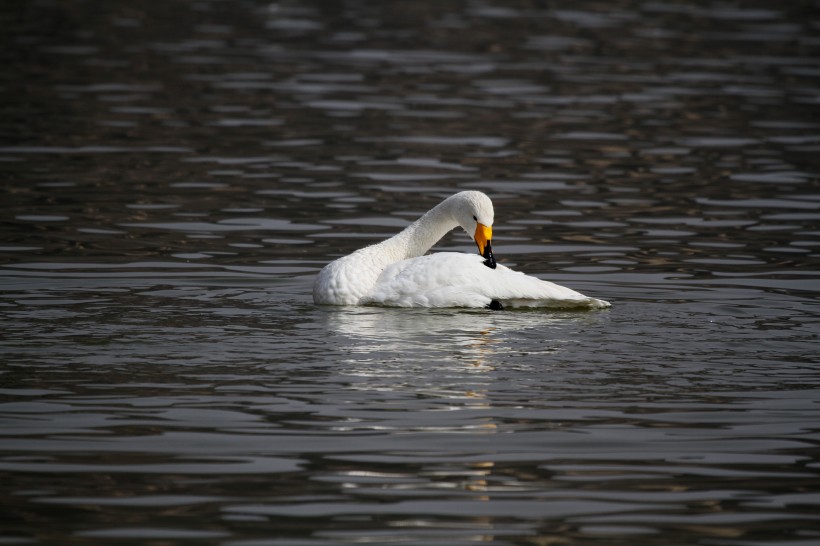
174, 175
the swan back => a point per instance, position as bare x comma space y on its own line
450, 279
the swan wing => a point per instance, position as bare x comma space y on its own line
450, 279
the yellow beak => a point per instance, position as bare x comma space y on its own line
483, 235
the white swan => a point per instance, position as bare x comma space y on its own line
396, 272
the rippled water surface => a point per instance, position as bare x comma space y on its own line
175, 173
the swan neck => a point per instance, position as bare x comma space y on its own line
421, 235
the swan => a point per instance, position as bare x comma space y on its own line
397, 273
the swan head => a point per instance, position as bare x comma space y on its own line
474, 213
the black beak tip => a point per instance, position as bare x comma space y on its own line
489, 259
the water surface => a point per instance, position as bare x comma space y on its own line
174, 176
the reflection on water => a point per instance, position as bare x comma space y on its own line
400, 346
174, 175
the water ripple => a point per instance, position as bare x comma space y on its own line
175, 175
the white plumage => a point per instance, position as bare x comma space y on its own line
396, 272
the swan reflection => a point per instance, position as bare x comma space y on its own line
408, 342
447, 366
447, 335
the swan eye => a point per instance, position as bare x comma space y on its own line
474, 218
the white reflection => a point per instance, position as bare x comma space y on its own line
435, 372
438, 338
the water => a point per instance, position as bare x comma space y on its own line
173, 176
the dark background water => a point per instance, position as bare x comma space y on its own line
174, 174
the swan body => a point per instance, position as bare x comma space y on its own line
396, 272
453, 279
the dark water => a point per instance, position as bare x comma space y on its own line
174, 174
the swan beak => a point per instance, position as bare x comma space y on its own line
483, 235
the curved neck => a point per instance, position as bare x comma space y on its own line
417, 238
